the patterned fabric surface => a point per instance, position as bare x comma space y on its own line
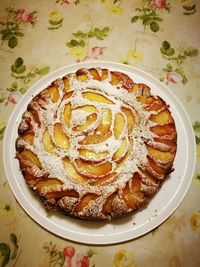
160, 37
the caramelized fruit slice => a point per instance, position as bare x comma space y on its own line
89, 120
169, 142
135, 88
114, 79
120, 153
85, 200
82, 75
48, 143
46, 185
162, 117
35, 116
156, 105
67, 114
92, 156
95, 74
155, 166
107, 179
160, 155
93, 170
145, 99
60, 137
71, 171
59, 194
161, 130
102, 132
104, 74
53, 91
28, 137
124, 79
30, 157
132, 195
130, 119
107, 207
68, 94
95, 97
119, 125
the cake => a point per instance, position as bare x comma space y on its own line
96, 145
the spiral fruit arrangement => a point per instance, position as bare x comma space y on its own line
95, 144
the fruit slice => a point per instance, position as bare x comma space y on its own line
161, 130
120, 153
132, 195
71, 171
130, 119
107, 179
155, 166
102, 132
89, 120
85, 200
66, 84
107, 207
160, 155
93, 170
145, 99
81, 75
67, 114
135, 88
28, 137
119, 125
30, 158
95, 97
95, 74
162, 117
169, 142
48, 143
53, 91
157, 104
87, 108
61, 139
92, 156
114, 79
124, 158
104, 74
124, 79
35, 116
59, 194
46, 185
68, 94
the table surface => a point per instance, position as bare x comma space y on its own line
158, 36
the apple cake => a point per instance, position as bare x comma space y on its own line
95, 144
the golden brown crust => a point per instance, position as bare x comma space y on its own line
96, 145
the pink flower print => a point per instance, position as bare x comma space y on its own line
159, 4
68, 253
25, 17
82, 261
14, 98
66, 2
173, 77
97, 51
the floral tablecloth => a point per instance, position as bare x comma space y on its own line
160, 37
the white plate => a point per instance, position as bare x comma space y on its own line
127, 228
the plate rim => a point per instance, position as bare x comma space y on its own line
100, 239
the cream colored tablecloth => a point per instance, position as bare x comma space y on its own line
158, 36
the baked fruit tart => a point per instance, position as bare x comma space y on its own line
96, 145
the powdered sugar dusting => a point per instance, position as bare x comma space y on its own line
66, 142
